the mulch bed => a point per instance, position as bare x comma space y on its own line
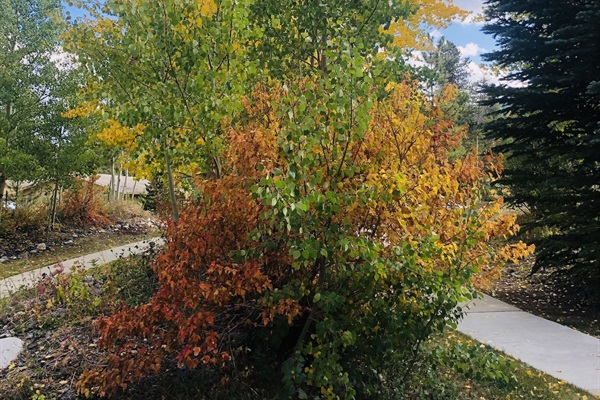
12, 248
553, 295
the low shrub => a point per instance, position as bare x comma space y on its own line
82, 206
131, 280
323, 275
78, 291
27, 222
474, 361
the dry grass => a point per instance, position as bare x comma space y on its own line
126, 210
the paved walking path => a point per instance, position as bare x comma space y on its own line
30, 278
545, 345
559, 351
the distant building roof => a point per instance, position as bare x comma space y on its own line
22, 184
24, 187
132, 186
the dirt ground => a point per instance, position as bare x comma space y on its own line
552, 295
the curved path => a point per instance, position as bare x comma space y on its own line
30, 278
10, 347
561, 352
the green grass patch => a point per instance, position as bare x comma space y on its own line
463, 369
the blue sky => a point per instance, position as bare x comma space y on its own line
467, 34
470, 40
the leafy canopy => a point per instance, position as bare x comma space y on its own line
336, 234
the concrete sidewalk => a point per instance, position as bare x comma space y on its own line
30, 278
559, 351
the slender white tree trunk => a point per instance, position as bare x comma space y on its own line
134, 185
124, 194
171, 184
117, 193
111, 188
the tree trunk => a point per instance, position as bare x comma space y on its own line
55, 200
5, 150
171, 185
134, 185
52, 216
2, 187
111, 187
125, 184
117, 193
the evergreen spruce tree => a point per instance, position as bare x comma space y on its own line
444, 65
155, 194
550, 125
447, 65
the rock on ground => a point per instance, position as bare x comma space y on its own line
10, 348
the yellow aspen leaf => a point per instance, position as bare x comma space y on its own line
207, 7
411, 32
82, 110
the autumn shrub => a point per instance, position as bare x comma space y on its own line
339, 239
82, 205
25, 222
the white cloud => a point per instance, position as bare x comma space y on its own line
481, 74
478, 73
436, 34
475, 7
416, 59
63, 60
470, 50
